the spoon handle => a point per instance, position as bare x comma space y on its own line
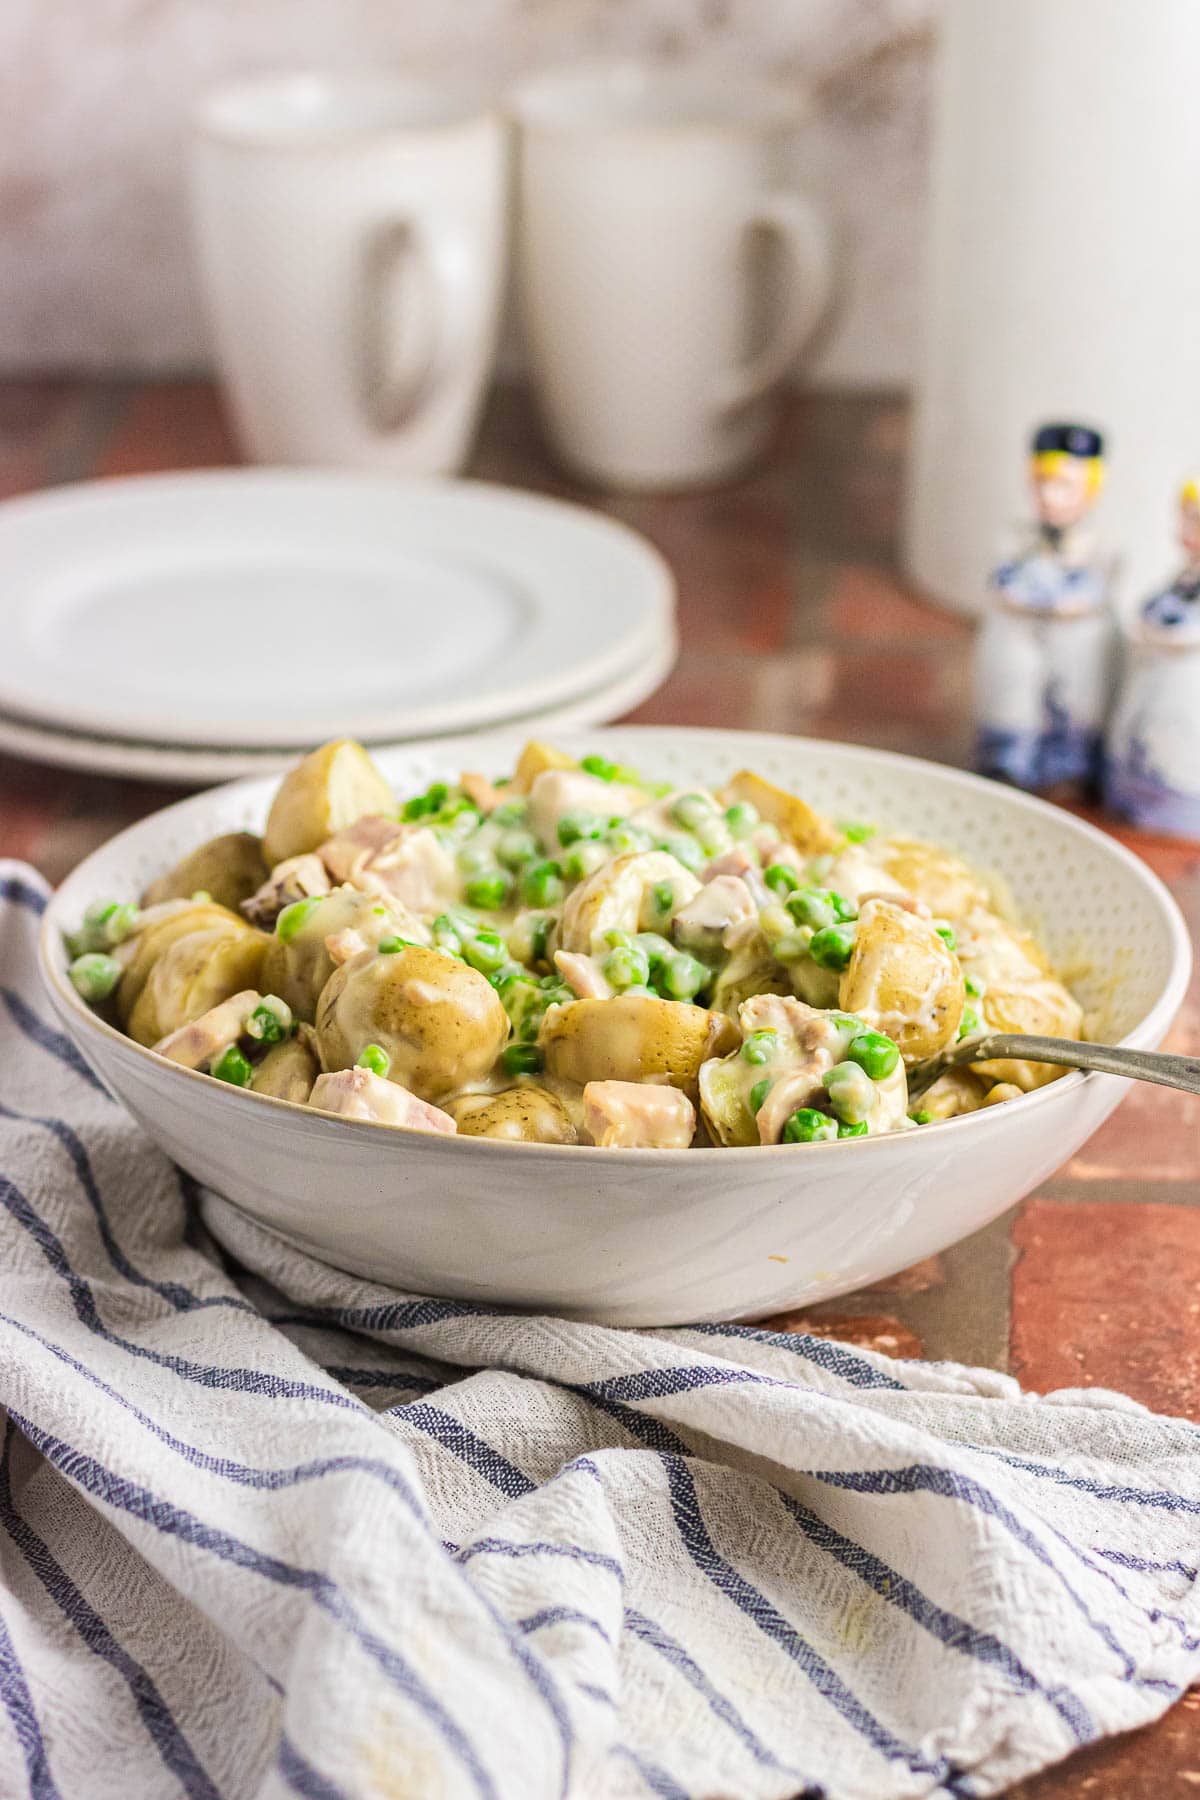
1139, 1065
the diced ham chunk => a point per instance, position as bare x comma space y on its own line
740, 863
204, 1039
296, 878
583, 975
360, 1094
398, 862
634, 1115
481, 792
723, 902
558, 791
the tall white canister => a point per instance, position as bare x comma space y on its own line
1063, 275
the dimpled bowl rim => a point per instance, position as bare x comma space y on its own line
498, 750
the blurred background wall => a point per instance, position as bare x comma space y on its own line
95, 271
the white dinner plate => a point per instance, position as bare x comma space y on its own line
201, 767
263, 608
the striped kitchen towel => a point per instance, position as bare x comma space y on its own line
266, 1529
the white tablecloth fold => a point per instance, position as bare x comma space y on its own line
267, 1529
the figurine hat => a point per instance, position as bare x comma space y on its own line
1068, 440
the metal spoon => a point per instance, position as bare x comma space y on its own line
1140, 1065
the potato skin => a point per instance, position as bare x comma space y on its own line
794, 817
634, 1038
196, 972
528, 1114
903, 980
948, 886
330, 789
533, 761
438, 1019
229, 869
152, 942
297, 971
288, 1071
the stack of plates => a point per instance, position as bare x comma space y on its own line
197, 627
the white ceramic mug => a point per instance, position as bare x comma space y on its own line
643, 197
352, 236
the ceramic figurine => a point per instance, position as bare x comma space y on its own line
1044, 660
1152, 774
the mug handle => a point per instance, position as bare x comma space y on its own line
390, 398
804, 236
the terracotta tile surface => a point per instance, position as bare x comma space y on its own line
794, 619
1109, 1296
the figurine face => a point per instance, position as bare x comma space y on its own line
1189, 528
1064, 488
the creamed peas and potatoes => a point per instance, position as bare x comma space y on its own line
575, 955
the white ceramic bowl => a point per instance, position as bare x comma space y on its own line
661, 1237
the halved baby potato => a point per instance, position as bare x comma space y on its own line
526, 1114
903, 979
794, 817
196, 972
330, 789
634, 1037
439, 1020
228, 869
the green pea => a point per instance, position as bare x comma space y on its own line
875, 1054
851, 1092
575, 825
760, 1047
758, 1094
270, 1022
685, 850
921, 1118
682, 977
626, 966
600, 767
512, 812
975, 988
629, 840
808, 1126
811, 906
832, 947
539, 933
741, 818
421, 805
121, 921
847, 1022
862, 1129
516, 847
691, 810
542, 884
375, 1058
854, 833
968, 1024
521, 1059
392, 946
445, 936
94, 975
780, 878
583, 859
486, 951
662, 896
489, 892
948, 936
712, 837
791, 946
295, 917
233, 1067
658, 949
474, 859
